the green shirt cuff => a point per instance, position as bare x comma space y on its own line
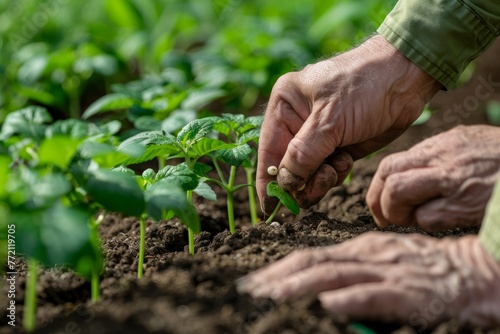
442, 36
490, 229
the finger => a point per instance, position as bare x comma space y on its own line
404, 192
323, 277
277, 271
440, 214
317, 186
381, 301
342, 162
394, 200
308, 149
278, 128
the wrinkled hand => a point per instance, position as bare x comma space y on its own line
407, 278
442, 182
358, 101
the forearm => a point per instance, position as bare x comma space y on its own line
490, 229
442, 36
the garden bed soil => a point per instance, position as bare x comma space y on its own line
180, 293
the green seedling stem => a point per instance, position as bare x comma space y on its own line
230, 199
251, 194
95, 278
275, 212
140, 265
29, 320
190, 231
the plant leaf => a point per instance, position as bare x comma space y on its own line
201, 169
116, 192
58, 150
156, 143
235, 156
178, 175
194, 131
160, 199
59, 235
207, 145
114, 101
28, 122
273, 189
205, 191
200, 98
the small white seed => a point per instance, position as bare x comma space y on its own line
272, 170
302, 187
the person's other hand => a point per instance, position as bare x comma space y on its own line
358, 101
385, 276
443, 182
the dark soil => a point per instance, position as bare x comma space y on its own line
180, 293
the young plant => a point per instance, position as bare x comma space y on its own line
191, 143
274, 190
239, 131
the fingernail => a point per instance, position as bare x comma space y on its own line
289, 181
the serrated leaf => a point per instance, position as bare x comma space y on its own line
251, 135
194, 131
58, 151
207, 145
235, 156
149, 175
116, 192
274, 190
205, 191
28, 122
201, 169
162, 199
178, 175
177, 120
57, 236
114, 101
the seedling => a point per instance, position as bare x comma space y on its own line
274, 190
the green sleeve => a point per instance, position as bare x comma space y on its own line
442, 36
490, 229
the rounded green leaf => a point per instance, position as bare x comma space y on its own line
274, 190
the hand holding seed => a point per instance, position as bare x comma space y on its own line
321, 119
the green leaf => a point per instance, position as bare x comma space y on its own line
124, 14
251, 135
177, 120
493, 113
4, 174
178, 175
58, 151
109, 102
59, 235
200, 98
201, 169
116, 192
108, 156
235, 156
28, 122
161, 199
149, 175
194, 131
156, 143
207, 145
205, 191
274, 190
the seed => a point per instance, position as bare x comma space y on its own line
302, 187
272, 170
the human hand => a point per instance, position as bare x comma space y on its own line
358, 101
443, 182
385, 276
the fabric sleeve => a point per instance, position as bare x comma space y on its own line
442, 36
490, 229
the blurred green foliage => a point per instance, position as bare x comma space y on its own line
65, 54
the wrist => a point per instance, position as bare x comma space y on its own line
406, 76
